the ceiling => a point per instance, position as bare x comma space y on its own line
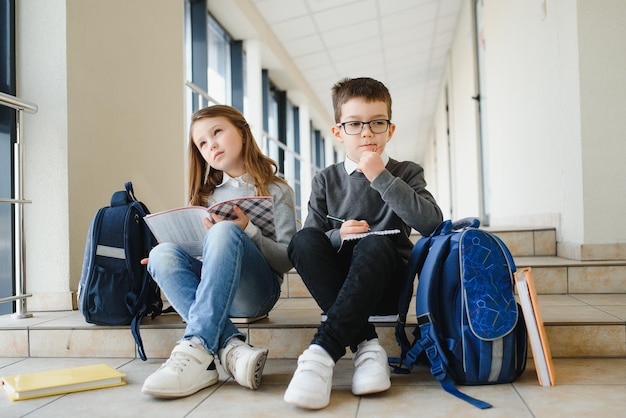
403, 43
309, 45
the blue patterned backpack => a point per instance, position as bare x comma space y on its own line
469, 326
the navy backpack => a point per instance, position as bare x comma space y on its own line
115, 288
469, 327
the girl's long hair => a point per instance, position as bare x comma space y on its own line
202, 183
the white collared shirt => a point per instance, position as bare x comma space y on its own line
351, 166
244, 180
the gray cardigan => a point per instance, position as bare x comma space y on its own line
396, 199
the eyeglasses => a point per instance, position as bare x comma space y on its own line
355, 127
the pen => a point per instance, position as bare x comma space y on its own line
334, 218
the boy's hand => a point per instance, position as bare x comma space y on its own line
371, 163
352, 226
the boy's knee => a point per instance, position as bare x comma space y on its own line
302, 240
377, 243
303, 236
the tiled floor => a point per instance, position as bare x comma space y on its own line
585, 388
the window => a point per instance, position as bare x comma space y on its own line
292, 160
219, 65
215, 64
317, 150
7, 135
272, 128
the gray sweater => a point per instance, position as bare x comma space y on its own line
396, 199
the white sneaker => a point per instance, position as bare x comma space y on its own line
312, 381
243, 362
371, 369
190, 368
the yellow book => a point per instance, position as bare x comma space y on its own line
55, 382
535, 327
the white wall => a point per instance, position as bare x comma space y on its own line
525, 133
555, 100
42, 79
108, 80
602, 31
556, 108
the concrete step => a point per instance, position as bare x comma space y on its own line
522, 242
583, 306
585, 325
553, 275
557, 275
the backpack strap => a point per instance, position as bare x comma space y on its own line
130, 192
414, 266
133, 299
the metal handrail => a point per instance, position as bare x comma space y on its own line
17, 103
201, 94
20, 106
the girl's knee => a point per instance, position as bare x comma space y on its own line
162, 257
223, 229
163, 251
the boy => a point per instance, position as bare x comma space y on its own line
351, 280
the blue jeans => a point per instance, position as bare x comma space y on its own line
363, 279
232, 280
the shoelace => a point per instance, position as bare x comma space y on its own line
178, 361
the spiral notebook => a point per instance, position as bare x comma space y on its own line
354, 237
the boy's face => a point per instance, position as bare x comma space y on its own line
360, 110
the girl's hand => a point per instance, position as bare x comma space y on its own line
352, 226
241, 220
208, 223
144, 261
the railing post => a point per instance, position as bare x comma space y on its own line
20, 240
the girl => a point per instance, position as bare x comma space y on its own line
240, 272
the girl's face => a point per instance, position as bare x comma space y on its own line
220, 143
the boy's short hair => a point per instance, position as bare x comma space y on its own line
364, 87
